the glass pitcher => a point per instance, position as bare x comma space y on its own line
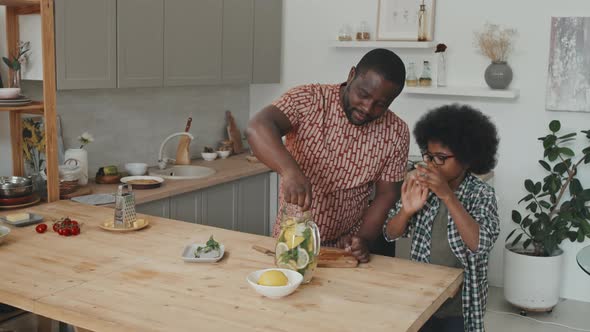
298, 244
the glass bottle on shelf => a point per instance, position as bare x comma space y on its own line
411, 78
425, 78
422, 23
363, 32
345, 33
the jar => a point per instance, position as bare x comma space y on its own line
345, 33
411, 78
426, 77
362, 32
298, 244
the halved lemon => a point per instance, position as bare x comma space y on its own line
280, 249
292, 239
302, 258
273, 278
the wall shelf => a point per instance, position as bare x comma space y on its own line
479, 92
383, 44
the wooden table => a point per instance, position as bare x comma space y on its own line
105, 281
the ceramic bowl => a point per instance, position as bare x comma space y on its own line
223, 154
209, 156
275, 292
9, 93
136, 168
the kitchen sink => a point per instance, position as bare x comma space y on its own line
182, 172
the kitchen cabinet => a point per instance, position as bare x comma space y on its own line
254, 204
266, 65
159, 208
140, 43
237, 40
192, 42
241, 205
85, 33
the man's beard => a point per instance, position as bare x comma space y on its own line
350, 110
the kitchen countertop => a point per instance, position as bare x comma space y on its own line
137, 281
226, 170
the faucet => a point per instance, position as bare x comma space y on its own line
163, 160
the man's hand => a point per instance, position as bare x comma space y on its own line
297, 189
359, 248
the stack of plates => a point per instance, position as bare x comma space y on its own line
19, 101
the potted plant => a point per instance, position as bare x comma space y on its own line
556, 209
496, 43
15, 63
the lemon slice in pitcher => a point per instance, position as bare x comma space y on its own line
280, 249
302, 258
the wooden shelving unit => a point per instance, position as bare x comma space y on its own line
45, 8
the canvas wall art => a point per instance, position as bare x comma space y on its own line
568, 81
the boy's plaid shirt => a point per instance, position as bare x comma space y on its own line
479, 200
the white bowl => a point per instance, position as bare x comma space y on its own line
9, 93
209, 156
136, 168
275, 292
4, 231
223, 154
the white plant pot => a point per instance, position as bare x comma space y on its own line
530, 282
81, 156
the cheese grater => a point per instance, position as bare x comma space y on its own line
125, 215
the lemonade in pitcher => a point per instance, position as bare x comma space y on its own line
298, 244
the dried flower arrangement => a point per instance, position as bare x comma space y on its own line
495, 42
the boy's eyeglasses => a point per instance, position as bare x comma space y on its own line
438, 159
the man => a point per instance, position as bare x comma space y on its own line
340, 140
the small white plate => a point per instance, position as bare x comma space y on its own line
188, 255
33, 219
4, 231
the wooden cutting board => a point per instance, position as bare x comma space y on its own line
234, 133
329, 257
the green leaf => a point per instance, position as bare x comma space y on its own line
516, 217
560, 168
584, 195
538, 186
527, 243
545, 204
517, 239
510, 235
553, 154
568, 135
549, 140
585, 226
526, 198
529, 185
554, 126
526, 222
581, 235
572, 236
7, 61
575, 187
532, 206
545, 165
567, 151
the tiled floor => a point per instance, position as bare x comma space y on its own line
568, 312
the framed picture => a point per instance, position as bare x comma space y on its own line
398, 19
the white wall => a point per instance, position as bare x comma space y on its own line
307, 58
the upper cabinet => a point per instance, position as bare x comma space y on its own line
192, 42
238, 37
86, 47
155, 43
266, 67
140, 42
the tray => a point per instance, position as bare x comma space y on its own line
188, 254
36, 200
137, 225
33, 219
130, 179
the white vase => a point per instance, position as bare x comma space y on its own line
532, 283
81, 156
441, 71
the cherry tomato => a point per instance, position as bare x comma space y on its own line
67, 232
56, 227
41, 228
75, 230
74, 223
61, 231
